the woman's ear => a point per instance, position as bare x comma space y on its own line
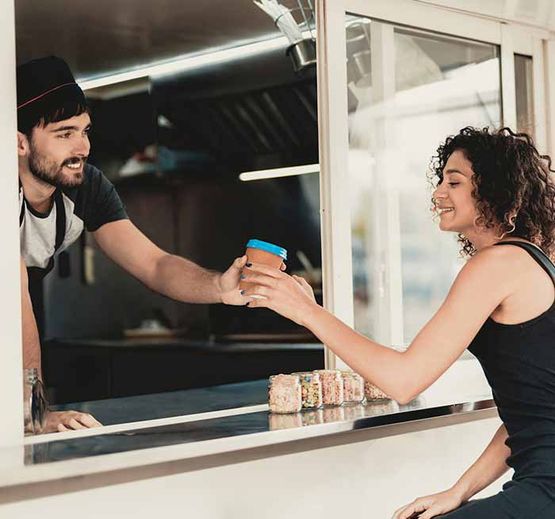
22, 144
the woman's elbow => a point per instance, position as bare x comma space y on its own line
403, 393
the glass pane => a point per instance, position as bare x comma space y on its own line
408, 90
524, 94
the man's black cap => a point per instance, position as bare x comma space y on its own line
46, 83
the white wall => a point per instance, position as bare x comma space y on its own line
367, 479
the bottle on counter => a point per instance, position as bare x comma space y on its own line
372, 392
311, 389
353, 387
284, 394
332, 387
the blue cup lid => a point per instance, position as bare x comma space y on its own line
268, 247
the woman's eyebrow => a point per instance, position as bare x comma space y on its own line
452, 170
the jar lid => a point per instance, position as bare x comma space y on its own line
268, 247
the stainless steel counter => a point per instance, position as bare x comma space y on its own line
461, 394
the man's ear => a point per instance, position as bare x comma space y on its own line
22, 144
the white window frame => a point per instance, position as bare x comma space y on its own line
11, 364
511, 37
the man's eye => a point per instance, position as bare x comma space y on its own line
454, 183
65, 135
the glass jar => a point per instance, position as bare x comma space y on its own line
372, 392
284, 394
35, 405
311, 389
353, 387
332, 386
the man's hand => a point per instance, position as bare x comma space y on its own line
58, 421
228, 283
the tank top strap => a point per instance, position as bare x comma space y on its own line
541, 257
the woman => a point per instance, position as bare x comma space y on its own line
493, 188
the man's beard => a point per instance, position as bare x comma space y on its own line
48, 171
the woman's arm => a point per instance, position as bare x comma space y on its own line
489, 467
483, 283
485, 470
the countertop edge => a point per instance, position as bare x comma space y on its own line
380, 426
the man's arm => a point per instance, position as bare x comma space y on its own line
55, 420
166, 273
30, 334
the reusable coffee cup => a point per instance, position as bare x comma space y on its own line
259, 251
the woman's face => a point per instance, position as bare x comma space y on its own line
454, 202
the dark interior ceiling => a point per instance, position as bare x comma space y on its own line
105, 36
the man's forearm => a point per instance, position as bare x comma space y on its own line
29, 332
185, 281
490, 466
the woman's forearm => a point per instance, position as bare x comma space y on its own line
382, 366
490, 466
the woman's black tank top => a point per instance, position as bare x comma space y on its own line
519, 363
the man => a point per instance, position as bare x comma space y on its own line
60, 195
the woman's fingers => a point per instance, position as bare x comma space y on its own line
408, 511
260, 279
258, 303
256, 290
428, 514
263, 269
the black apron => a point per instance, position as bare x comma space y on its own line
37, 274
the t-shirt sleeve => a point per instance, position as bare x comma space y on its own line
103, 203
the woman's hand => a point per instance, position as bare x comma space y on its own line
430, 506
290, 296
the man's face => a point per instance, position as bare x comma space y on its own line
58, 151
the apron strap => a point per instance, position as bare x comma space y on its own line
38, 273
22, 212
60, 219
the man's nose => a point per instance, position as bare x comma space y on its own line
83, 146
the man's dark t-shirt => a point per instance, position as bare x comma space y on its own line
88, 206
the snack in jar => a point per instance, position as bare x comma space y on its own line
284, 394
353, 387
311, 389
332, 386
372, 392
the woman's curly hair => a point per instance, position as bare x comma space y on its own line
512, 182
